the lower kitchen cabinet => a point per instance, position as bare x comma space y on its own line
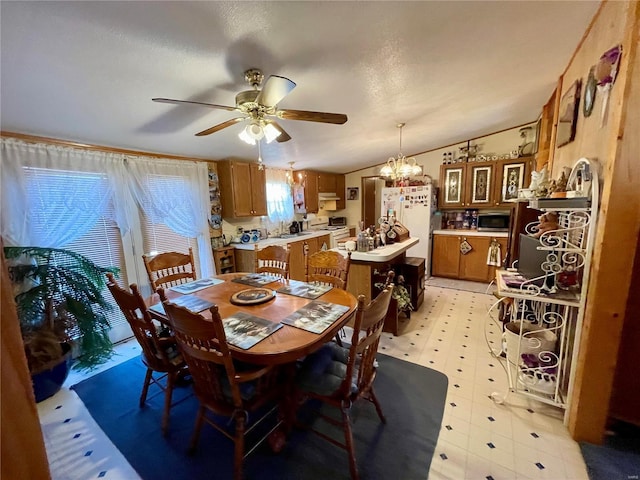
450, 261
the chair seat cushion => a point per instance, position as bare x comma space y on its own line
323, 372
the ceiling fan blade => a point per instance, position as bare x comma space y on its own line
188, 102
322, 117
220, 126
284, 136
275, 89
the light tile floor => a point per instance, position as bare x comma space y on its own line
479, 439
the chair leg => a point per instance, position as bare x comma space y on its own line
168, 393
238, 458
375, 401
348, 437
145, 387
196, 429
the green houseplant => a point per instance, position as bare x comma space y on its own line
60, 304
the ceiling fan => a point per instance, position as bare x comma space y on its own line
260, 107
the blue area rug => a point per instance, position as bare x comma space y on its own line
412, 399
617, 458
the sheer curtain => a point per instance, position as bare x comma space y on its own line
279, 196
176, 193
53, 195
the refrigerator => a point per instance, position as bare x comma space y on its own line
413, 207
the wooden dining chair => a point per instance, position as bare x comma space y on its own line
273, 259
223, 387
159, 354
167, 269
327, 267
339, 376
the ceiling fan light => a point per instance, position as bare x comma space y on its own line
405, 170
245, 137
416, 170
386, 171
271, 132
255, 131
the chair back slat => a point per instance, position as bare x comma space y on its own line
168, 269
326, 267
274, 260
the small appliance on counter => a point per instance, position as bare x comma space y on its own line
294, 227
337, 221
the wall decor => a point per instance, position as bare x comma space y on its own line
605, 72
568, 117
352, 193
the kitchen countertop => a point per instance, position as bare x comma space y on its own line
472, 233
279, 241
383, 254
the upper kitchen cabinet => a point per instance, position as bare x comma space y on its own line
309, 182
511, 176
468, 185
326, 182
341, 191
243, 190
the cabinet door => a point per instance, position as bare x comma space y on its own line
511, 175
258, 190
479, 184
242, 203
452, 185
326, 182
473, 265
314, 245
311, 192
325, 239
341, 191
296, 261
445, 259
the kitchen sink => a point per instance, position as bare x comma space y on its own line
293, 235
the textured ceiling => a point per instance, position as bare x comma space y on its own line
86, 71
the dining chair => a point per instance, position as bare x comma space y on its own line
327, 267
273, 259
159, 354
223, 386
169, 268
339, 376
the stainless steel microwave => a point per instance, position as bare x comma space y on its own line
493, 222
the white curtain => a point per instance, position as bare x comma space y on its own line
80, 185
279, 196
175, 193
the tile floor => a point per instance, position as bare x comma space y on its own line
479, 439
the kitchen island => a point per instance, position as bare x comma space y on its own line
369, 268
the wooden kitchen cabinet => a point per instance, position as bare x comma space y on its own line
467, 185
341, 191
511, 176
327, 182
242, 189
309, 181
448, 261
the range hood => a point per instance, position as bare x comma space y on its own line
323, 197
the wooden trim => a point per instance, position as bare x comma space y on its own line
554, 127
86, 146
617, 231
446, 146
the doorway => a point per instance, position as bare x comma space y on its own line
371, 194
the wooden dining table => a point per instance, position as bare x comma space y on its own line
286, 344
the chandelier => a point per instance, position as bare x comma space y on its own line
257, 130
400, 167
290, 180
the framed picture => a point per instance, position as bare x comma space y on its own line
512, 181
352, 193
481, 184
453, 186
568, 117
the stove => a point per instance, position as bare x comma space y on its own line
321, 223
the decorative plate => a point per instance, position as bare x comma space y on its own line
253, 296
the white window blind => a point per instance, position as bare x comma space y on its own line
102, 243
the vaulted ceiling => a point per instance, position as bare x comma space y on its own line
452, 70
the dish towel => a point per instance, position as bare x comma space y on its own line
493, 255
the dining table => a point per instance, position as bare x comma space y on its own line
286, 344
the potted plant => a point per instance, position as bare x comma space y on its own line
60, 305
